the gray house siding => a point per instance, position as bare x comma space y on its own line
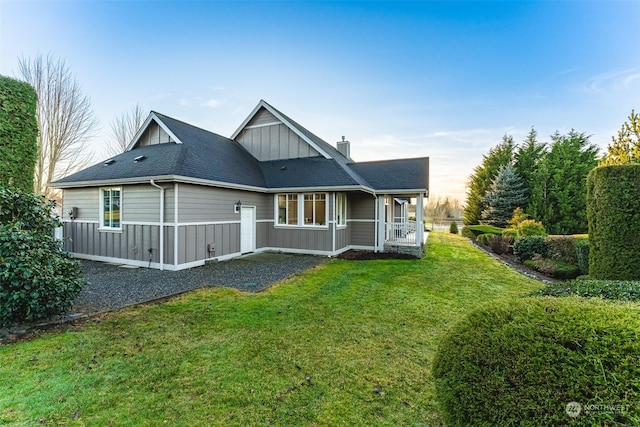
274, 142
154, 134
361, 219
86, 200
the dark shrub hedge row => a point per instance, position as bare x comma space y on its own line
619, 290
18, 133
554, 268
613, 211
522, 362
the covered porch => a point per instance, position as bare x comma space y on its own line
400, 223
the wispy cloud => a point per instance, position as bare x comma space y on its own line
613, 80
212, 103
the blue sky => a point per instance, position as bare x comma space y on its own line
404, 79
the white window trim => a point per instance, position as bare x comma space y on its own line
344, 217
102, 227
301, 223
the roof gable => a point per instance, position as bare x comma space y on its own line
153, 131
263, 109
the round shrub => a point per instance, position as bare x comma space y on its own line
525, 248
530, 227
522, 362
613, 211
484, 238
37, 278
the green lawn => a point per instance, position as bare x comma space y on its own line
347, 343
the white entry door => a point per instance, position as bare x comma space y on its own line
247, 229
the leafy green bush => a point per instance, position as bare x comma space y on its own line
521, 362
525, 248
500, 244
37, 277
613, 210
453, 228
18, 133
468, 233
619, 290
553, 268
530, 227
582, 255
562, 248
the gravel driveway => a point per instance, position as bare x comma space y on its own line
110, 286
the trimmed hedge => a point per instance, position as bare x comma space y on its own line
18, 133
473, 231
618, 290
522, 362
554, 268
582, 255
613, 211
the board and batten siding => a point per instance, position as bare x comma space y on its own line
274, 142
154, 134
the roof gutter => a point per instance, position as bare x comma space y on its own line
161, 249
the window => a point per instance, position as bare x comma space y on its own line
341, 209
308, 209
315, 209
110, 208
288, 209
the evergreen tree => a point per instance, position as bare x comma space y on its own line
506, 194
527, 160
626, 146
559, 198
480, 181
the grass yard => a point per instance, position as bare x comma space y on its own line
347, 343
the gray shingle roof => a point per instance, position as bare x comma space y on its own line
211, 157
202, 154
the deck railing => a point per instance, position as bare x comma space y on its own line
400, 233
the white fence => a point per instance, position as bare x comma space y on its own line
401, 233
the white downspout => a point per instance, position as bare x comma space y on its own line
375, 208
161, 251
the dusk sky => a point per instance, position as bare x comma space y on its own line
404, 79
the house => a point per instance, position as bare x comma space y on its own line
181, 195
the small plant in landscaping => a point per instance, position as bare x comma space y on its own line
500, 244
453, 228
562, 248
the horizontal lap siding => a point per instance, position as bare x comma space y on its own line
87, 200
362, 233
141, 203
207, 204
361, 219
